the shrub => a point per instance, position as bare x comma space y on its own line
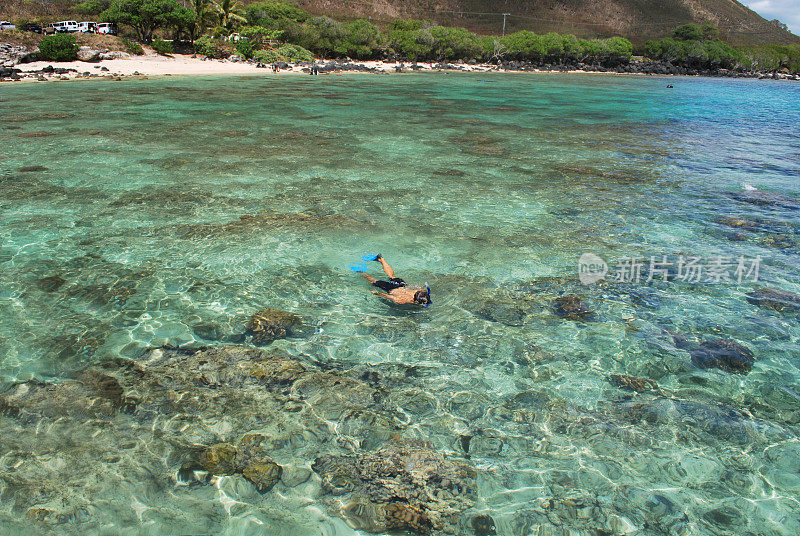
524, 45
771, 57
694, 54
244, 47
416, 44
132, 47
58, 47
163, 47
361, 39
259, 34
272, 14
688, 32
267, 56
454, 43
295, 53
325, 36
213, 48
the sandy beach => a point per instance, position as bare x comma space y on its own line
181, 64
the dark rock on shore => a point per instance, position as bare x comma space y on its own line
782, 301
339, 66
571, 307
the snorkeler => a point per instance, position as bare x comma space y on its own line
396, 289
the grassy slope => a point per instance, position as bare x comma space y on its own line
31, 40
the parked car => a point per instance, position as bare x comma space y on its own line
106, 28
31, 27
64, 26
87, 27
5, 25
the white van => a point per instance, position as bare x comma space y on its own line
68, 26
106, 28
87, 27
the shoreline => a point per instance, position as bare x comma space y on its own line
186, 65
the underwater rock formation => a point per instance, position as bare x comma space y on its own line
272, 324
632, 383
248, 458
140, 424
765, 198
724, 354
782, 301
571, 307
31, 169
268, 221
402, 486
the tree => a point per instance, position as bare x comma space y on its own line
688, 32
202, 12
273, 14
226, 9
361, 39
145, 16
709, 31
92, 7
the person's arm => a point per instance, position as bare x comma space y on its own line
387, 296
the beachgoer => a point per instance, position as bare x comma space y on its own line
396, 289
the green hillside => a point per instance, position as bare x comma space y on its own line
636, 19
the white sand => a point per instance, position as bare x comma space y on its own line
179, 64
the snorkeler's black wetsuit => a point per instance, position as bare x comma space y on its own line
390, 285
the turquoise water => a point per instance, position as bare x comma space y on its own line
139, 214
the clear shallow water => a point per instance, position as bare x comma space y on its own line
489, 189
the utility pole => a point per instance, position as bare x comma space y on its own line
504, 23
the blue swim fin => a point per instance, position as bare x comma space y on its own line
358, 267
370, 258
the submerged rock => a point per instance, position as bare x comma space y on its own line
632, 383
263, 473
405, 486
503, 313
782, 301
483, 525
248, 458
31, 169
766, 198
571, 307
51, 283
272, 324
219, 459
724, 354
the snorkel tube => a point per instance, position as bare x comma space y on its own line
428, 289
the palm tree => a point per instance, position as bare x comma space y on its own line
226, 9
201, 13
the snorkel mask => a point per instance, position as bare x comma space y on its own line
427, 295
